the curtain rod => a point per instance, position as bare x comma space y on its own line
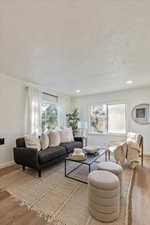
45, 93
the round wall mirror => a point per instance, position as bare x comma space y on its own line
141, 114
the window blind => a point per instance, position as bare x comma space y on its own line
49, 98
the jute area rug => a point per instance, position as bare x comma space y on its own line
60, 200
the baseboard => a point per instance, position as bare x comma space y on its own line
147, 155
6, 164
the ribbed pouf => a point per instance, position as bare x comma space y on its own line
111, 167
104, 195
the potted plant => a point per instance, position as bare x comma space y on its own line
72, 121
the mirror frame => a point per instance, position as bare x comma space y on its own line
133, 113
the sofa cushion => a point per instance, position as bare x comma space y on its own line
71, 145
51, 153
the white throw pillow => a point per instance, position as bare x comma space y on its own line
44, 140
134, 137
54, 138
66, 135
32, 142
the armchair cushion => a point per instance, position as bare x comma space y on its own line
133, 145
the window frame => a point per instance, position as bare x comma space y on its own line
58, 111
90, 132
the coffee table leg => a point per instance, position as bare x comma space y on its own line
65, 167
106, 156
109, 155
89, 168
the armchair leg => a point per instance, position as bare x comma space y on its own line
23, 167
142, 156
108, 155
39, 172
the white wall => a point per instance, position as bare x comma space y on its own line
12, 108
130, 97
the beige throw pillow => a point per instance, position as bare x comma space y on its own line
66, 135
54, 138
32, 142
44, 140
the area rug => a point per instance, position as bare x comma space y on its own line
60, 200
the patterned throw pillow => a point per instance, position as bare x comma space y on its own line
44, 140
54, 138
32, 142
66, 135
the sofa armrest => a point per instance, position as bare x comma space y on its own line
26, 157
79, 139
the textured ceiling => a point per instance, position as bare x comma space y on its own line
94, 46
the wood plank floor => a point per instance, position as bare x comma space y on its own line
11, 213
141, 195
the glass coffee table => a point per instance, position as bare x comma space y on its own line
91, 158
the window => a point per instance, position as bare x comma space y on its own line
116, 119
49, 116
99, 118
49, 113
108, 119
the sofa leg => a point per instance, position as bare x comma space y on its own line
39, 172
23, 167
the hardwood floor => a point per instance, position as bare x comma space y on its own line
141, 195
11, 213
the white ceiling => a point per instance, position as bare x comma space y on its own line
94, 46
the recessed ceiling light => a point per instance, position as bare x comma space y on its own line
129, 82
77, 91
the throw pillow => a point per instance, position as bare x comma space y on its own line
32, 142
54, 138
132, 137
66, 135
44, 140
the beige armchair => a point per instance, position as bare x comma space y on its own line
130, 149
135, 147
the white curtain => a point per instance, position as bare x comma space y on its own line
62, 112
33, 111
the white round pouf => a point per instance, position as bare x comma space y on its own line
104, 195
111, 167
